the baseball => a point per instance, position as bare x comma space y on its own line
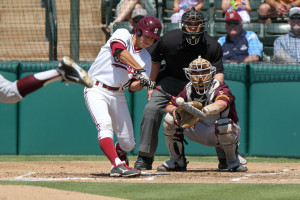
180, 101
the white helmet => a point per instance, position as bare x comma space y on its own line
200, 73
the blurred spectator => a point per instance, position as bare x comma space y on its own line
272, 9
239, 45
136, 16
241, 6
125, 8
182, 6
287, 47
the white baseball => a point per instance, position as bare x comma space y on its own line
180, 101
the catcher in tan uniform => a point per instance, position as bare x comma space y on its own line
219, 128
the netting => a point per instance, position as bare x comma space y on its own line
27, 33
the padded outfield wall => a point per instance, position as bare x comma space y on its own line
54, 120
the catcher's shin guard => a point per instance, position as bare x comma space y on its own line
177, 160
228, 133
222, 158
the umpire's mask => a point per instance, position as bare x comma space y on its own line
192, 26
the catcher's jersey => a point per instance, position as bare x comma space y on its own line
217, 91
112, 71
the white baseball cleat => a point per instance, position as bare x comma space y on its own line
72, 73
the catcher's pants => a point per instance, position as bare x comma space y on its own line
8, 91
204, 134
110, 113
153, 114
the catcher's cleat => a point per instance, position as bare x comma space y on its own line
122, 170
171, 165
144, 163
240, 168
121, 154
72, 73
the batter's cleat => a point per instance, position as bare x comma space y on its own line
122, 170
72, 73
121, 154
171, 165
144, 163
240, 168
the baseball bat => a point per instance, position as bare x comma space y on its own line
191, 109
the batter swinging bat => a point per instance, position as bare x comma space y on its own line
191, 109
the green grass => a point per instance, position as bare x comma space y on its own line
174, 191
233, 191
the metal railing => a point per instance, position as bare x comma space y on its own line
51, 28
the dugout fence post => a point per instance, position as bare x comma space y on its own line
74, 29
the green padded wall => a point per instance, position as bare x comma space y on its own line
8, 116
236, 76
54, 119
274, 110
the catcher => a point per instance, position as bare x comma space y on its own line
219, 128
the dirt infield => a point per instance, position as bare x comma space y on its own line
98, 171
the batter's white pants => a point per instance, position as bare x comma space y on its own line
8, 91
110, 113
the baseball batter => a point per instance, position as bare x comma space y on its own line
68, 70
123, 63
219, 128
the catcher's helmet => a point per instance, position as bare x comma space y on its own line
150, 26
192, 26
200, 73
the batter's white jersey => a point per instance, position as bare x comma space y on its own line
111, 71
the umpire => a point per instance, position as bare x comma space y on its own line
177, 48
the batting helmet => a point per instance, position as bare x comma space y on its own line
200, 73
192, 26
150, 26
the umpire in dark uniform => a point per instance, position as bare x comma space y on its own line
177, 48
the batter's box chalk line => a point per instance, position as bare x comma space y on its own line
258, 174
144, 177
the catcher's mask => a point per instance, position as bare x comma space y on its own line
200, 73
192, 26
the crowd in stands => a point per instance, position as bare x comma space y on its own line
238, 45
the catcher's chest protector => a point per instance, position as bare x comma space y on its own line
210, 119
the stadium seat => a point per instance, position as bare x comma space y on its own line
254, 15
218, 14
168, 26
118, 25
108, 8
271, 32
255, 27
219, 30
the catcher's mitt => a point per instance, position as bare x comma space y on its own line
184, 118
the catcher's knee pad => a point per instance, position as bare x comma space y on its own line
170, 128
228, 133
176, 148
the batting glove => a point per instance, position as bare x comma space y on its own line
149, 85
143, 77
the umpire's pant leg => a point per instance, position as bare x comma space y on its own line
152, 116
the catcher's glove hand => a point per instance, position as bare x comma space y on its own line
183, 118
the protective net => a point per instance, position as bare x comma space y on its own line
42, 30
